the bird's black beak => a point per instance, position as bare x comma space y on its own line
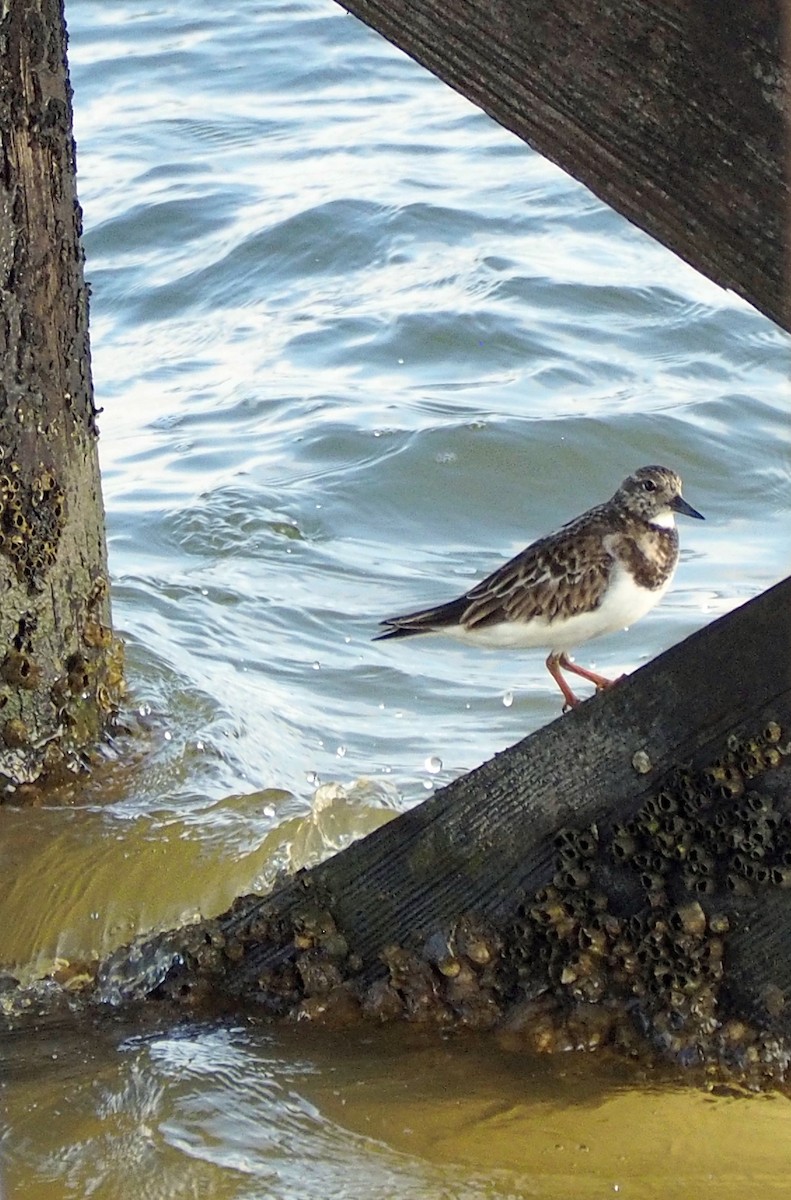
679, 505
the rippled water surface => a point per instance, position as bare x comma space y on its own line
354, 344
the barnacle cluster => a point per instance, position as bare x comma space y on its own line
451, 978
637, 913
46, 722
32, 517
712, 831
93, 672
309, 970
306, 958
626, 938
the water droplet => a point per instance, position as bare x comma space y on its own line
317, 665
269, 810
312, 778
433, 763
168, 735
428, 784
199, 745
341, 752
508, 699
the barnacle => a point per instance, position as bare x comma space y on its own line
438, 952
15, 733
318, 972
96, 635
703, 885
20, 670
690, 918
477, 940
700, 860
572, 878
623, 845
737, 884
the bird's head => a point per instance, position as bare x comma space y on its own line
653, 494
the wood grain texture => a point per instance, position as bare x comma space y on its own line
672, 111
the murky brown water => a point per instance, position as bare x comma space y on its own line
296, 1112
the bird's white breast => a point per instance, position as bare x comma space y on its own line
624, 603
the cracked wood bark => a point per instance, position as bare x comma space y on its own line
60, 672
672, 112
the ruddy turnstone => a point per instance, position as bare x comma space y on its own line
599, 573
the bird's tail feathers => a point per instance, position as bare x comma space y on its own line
427, 620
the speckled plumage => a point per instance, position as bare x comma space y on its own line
598, 573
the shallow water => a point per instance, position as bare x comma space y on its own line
238, 1114
354, 345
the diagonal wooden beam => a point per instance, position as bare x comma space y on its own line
672, 111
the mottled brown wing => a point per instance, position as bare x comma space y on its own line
555, 577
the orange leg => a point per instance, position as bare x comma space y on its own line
553, 666
601, 681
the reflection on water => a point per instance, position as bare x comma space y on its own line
354, 345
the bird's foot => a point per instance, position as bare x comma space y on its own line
553, 666
605, 684
600, 682
557, 661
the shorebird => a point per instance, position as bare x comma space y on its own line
600, 572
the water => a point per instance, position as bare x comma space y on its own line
354, 345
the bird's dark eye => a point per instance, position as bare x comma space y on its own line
649, 485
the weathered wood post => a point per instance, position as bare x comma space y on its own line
60, 667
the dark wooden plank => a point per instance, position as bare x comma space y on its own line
672, 111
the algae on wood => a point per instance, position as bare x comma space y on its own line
60, 667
